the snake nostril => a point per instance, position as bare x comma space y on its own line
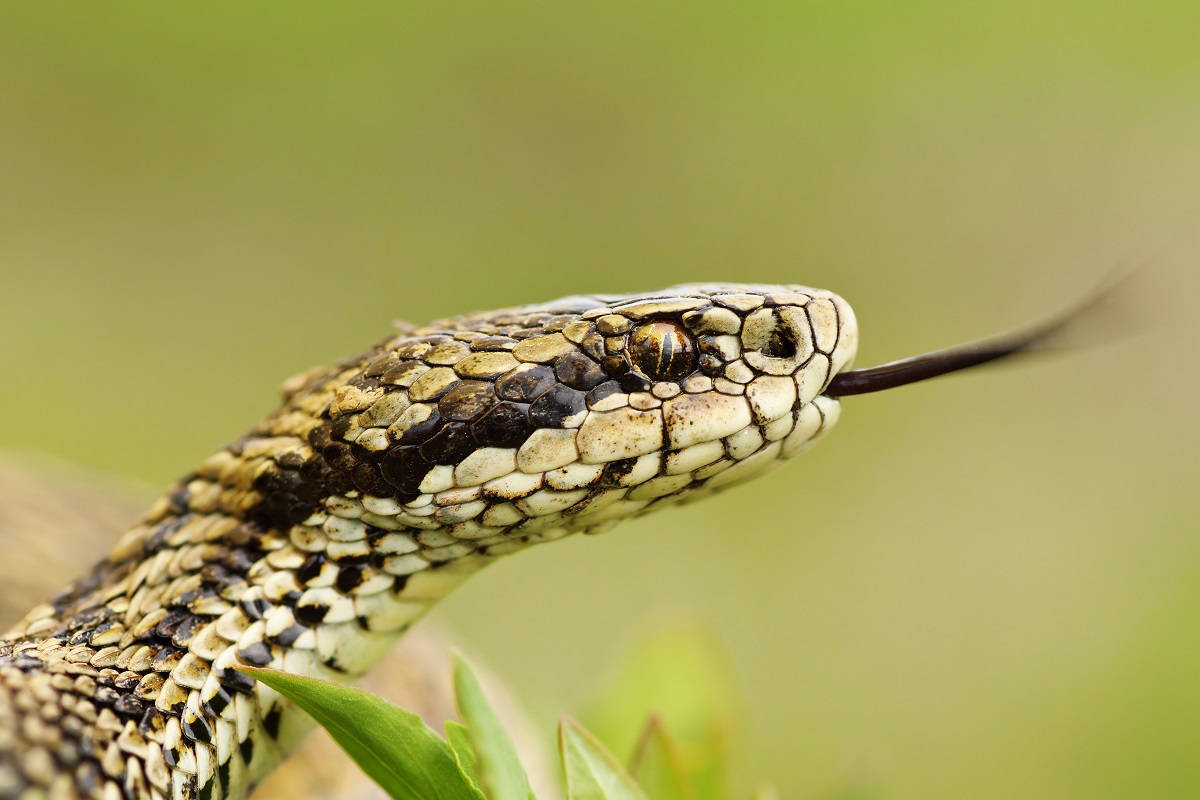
779, 344
776, 340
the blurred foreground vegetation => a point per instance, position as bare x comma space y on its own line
679, 675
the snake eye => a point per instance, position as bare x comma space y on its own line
662, 351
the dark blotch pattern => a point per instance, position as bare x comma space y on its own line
257, 654
420, 433
525, 384
634, 382
615, 470
602, 391
369, 480
404, 468
450, 445
578, 371
554, 407
310, 614
506, 425
467, 401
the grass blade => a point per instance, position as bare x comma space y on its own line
500, 771
657, 764
683, 676
592, 773
460, 742
393, 746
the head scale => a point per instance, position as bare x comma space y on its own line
529, 423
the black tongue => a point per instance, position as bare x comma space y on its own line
1087, 323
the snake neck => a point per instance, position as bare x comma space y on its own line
126, 679
125, 685
313, 541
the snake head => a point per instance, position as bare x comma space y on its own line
475, 436
487, 431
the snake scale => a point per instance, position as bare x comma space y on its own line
313, 541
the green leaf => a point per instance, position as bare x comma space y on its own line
683, 676
393, 746
500, 771
464, 754
591, 771
657, 764
765, 792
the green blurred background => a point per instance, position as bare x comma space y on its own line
986, 586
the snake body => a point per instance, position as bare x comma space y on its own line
313, 541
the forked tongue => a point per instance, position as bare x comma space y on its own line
1087, 323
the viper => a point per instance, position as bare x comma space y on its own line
313, 541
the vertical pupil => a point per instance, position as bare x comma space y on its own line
661, 351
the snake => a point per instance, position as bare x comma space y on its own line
313, 541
